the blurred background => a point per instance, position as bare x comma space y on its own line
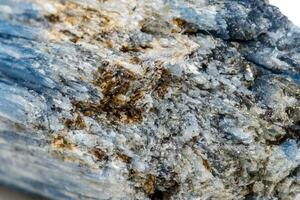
10, 194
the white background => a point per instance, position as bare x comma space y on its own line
290, 8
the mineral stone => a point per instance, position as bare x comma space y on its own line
149, 99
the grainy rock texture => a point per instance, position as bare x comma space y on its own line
149, 99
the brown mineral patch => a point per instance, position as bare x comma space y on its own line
149, 186
52, 18
60, 142
99, 154
134, 48
184, 26
126, 48
113, 80
87, 22
135, 60
123, 92
123, 157
162, 84
76, 124
75, 39
206, 164
19, 127
155, 187
119, 102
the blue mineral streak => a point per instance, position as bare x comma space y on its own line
17, 74
25, 80
290, 148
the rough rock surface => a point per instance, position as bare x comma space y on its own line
149, 99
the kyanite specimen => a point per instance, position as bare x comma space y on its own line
149, 99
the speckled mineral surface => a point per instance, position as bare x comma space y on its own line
149, 99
